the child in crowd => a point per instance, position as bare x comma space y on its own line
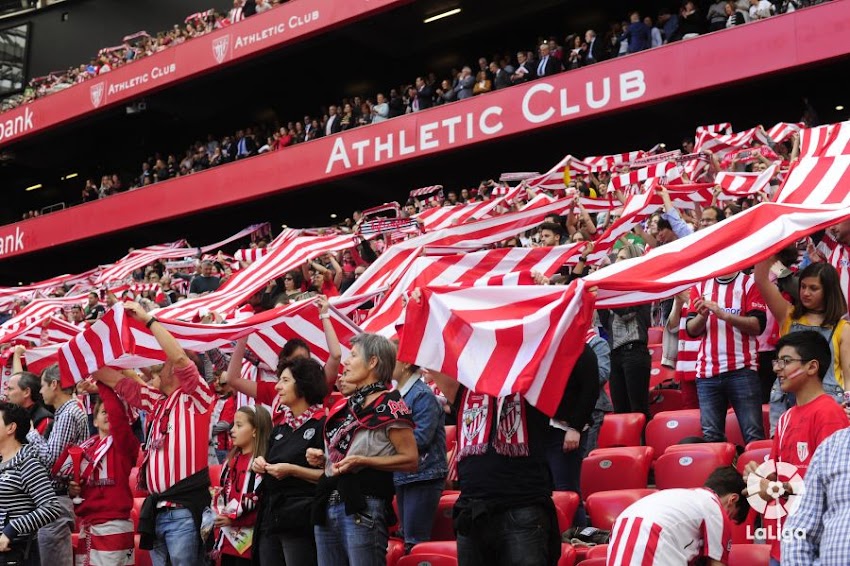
236, 504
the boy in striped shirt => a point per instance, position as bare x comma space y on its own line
674, 526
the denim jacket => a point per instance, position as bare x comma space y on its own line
430, 434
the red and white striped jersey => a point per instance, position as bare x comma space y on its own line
178, 435
670, 528
723, 347
838, 256
686, 360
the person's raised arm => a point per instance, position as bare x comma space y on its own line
334, 348
173, 351
234, 371
844, 354
337, 269
17, 359
777, 304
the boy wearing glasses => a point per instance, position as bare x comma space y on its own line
801, 363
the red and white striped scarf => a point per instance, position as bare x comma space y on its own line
476, 426
94, 467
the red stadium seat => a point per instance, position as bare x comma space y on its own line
134, 512
743, 533
621, 429
603, 507
749, 555
444, 547
566, 504
725, 450
594, 562
143, 557
615, 468
687, 469
395, 550
733, 429
134, 482
568, 555
756, 444
427, 560
758, 456
665, 400
215, 475
443, 528
670, 427
451, 437
656, 335
659, 374
655, 351
600, 550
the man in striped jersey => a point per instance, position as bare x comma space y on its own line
728, 313
674, 526
175, 465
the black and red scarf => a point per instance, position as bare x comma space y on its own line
347, 419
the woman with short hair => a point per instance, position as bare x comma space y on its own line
366, 439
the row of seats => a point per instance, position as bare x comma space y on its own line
445, 554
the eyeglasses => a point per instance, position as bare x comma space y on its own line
780, 363
287, 278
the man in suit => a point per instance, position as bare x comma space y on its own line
245, 145
637, 34
595, 48
501, 78
548, 65
333, 125
465, 83
424, 94
524, 71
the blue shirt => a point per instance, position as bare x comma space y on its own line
824, 512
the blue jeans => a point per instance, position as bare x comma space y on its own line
565, 467
177, 538
354, 540
515, 537
742, 389
417, 506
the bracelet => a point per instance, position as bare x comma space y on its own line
151, 321
324, 316
583, 259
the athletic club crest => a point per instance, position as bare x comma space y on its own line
96, 92
220, 46
473, 422
511, 417
803, 451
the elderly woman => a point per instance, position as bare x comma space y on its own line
27, 500
366, 439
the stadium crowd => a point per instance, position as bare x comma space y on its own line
219, 457
309, 465
550, 56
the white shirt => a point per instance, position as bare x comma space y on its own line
764, 9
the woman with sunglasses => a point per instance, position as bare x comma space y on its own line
819, 306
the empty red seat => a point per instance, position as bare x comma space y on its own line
568, 555
670, 427
756, 444
733, 429
749, 555
566, 504
659, 374
445, 547
134, 482
687, 469
427, 560
215, 475
626, 467
758, 456
395, 550
655, 335
603, 507
725, 450
451, 437
443, 528
621, 429
598, 551
655, 351
594, 562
